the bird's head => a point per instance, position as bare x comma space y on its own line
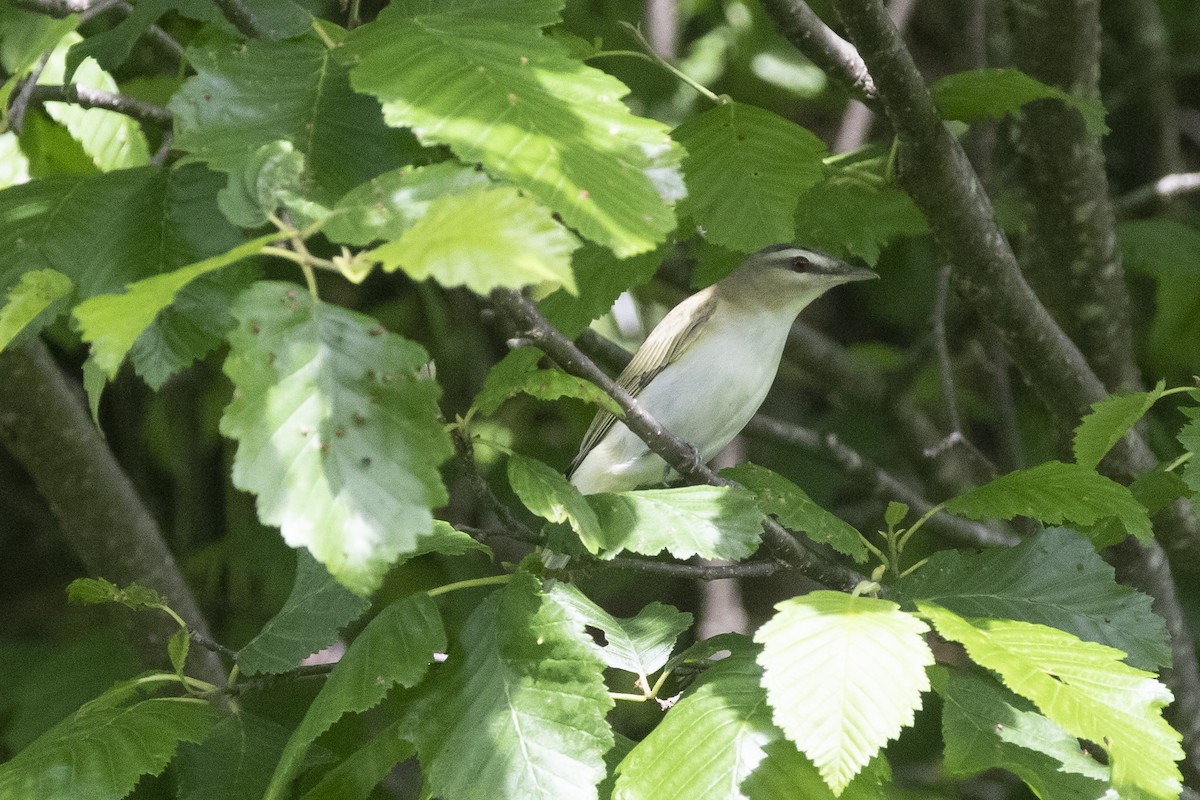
788, 276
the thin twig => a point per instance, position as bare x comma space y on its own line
20, 103
704, 572
465, 451
1165, 188
242, 18
165, 42
801, 26
680, 455
208, 643
87, 97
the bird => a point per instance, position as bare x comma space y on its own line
706, 367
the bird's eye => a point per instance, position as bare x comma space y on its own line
801, 264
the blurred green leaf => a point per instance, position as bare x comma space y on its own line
745, 169
92, 591
843, 675
514, 100
518, 709
1054, 578
36, 298
707, 521
786, 774
1168, 252
365, 768
14, 164
1054, 492
482, 239
640, 644
852, 218
272, 178
795, 509
338, 435
316, 610
1084, 688
995, 93
600, 278
396, 647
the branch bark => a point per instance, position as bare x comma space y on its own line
88, 97
50, 433
801, 26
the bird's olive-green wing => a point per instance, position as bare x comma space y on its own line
669, 340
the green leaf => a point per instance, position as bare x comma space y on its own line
388, 205
745, 169
1109, 420
709, 741
113, 323
601, 277
1169, 253
177, 650
517, 373
1054, 493
996, 93
515, 101
985, 726
787, 774
316, 610
14, 165
548, 494
707, 521
1054, 578
795, 509
850, 217
338, 435
235, 761
448, 541
247, 94
518, 709
640, 644
111, 47
396, 647
27, 36
482, 239
93, 591
1189, 437
36, 297
101, 751
112, 141
1084, 688
354, 778
843, 675
271, 179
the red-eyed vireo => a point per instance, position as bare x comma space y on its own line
705, 369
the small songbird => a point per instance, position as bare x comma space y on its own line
705, 369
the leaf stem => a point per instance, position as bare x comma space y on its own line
917, 525
469, 584
651, 55
633, 698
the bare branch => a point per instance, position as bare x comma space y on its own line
1165, 188
242, 18
88, 97
677, 453
704, 572
801, 26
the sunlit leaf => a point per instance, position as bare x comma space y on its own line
38, 294
548, 494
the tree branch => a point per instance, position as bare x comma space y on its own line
105, 523
704, 572
88, 97
809, 34
680, 455
1165, 188
242, 18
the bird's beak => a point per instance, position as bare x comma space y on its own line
849, 273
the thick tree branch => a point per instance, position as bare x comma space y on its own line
88, 97
1070, 254
105, 523
937, 174
676, 452
801, 26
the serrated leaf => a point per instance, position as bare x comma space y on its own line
745, 169
1054, 578
111, 47
548, 494
995, 93
396, 647
102, 750
1054, 493
449, 541
1189, 437
852, 218
709, 521
640, 644
354, 778
177, 650
787, 774
112, 141
843, 675
247, 94
272, 178
515, 101
519, 706
92, 591
38, 294
1109, 420
313, 614
113, 323
986, 726
1169, 253
518, 373
482, 239
338, 434
388, 205
601, 277
709, 741
795, 509
1084, 688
